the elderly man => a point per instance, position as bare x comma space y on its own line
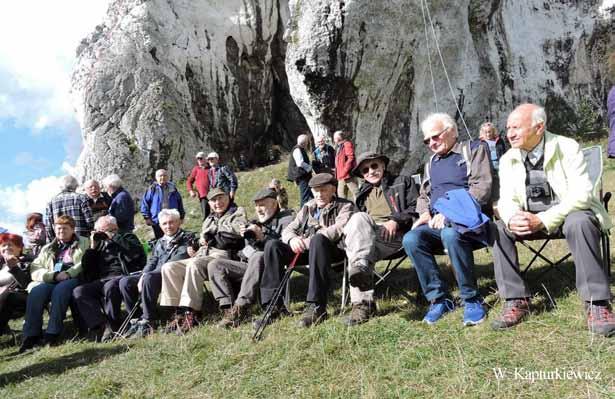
199, 179
111, 255
172, 246
299, 169
221, 175
55, 273
183, 281
387, 210
122, 206
344, 164
98, 201
315, 234
162, 194
453, 167
68, 202
547, 191
223, 273
324, 156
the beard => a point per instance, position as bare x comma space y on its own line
266, 215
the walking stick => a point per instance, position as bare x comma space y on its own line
274, 300
122, 330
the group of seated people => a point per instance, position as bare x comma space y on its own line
546, 190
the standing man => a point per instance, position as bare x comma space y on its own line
387, 210
221, 175
199, 178
454, 166
299, 169
324, 156
344, 164
72, 204
162, 194
122, 206
98, 201
548, 190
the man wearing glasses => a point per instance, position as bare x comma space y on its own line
454, 166
387, 210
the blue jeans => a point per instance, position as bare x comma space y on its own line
59, 294
423, 242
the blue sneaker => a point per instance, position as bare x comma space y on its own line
473, 312
438, 309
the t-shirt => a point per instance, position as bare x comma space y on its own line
377, 206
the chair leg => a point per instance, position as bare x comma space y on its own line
344, 287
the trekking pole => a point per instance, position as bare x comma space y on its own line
274, 300
120, 332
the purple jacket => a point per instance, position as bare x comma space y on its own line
610, 106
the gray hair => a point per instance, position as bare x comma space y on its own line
445, 119
107, 219
90, 182
169, 213
302, 139
539, 116
161, 170
68, 183
112, 181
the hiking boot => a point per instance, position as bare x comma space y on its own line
233, 316
95, 334
30, 343
276, 313
191, 320
312, 315
600, 318
513, 312
360, 275
438, 309
174, 325
144, 328
132, 330
360, 313
108, 334
51, 339
473, 312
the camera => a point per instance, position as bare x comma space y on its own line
538, 190
194, 243
100, 236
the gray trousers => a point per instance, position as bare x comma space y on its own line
365, 245
223, 273
582, 232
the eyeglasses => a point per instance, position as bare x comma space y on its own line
372, 166
436, 136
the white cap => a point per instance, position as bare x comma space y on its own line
213, 155
200, 154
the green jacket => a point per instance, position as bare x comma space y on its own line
41, 269
566, 172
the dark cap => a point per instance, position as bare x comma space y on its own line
368, 156
215, 192
321, 179
265, 193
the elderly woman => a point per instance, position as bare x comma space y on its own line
14, 278
488, 134
34, 234
54, 274
610, 102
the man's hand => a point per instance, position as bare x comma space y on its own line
62, 276
524, 223
297, 245
11, 261
423, 218
258, 231
203, 242
192, 193
191, 251
140, 284
389, 230
437, 222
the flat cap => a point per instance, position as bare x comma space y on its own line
321, 179
368, 156
265, 193
215, 192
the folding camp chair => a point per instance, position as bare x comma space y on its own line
593, 158
305, 270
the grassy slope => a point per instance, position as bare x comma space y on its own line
394, 355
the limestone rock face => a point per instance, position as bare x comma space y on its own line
161, 80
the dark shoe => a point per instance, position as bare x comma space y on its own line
276, 313
191, 320
174, 325
600, 319
234, 316
51, 339
513, 312
360, 276
132, 330
108, 334
30, 343
314, 314
95, 334
360, 313
144, 328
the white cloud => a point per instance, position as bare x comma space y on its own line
607, 5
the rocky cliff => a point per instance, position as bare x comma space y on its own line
161, 79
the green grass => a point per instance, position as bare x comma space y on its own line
393, 355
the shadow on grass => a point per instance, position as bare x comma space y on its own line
61, 364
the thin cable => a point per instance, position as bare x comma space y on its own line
433, 31
433, 82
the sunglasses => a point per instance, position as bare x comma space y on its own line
372, 166
199, 157
436, 136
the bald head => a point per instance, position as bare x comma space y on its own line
526, 126
302, 140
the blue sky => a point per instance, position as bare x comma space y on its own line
39, 131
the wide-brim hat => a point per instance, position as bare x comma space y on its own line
322, 179
368, 156
214, 193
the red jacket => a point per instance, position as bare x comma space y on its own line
199, 176
344, 160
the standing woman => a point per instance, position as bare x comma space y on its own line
610, 104
35, 236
